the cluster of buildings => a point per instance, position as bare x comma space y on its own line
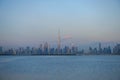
41, 50
100, 50
104, 51
73, 50
45, 49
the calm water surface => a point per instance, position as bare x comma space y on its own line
59, 67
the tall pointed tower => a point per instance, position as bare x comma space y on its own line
59, 41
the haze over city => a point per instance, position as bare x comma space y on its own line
32, 22
59, 39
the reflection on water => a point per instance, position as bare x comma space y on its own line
59, 67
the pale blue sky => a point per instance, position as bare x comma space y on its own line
35, 21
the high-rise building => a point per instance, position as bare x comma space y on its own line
1, 50
46, 48
59, 42
99, 49
116, 49
90, 50
40, 46
40, 50
27, 50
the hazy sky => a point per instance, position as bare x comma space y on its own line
35, 21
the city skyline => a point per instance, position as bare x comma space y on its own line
29, 23
46, 49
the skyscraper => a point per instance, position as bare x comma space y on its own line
100, 49
46, 48
59, 42
116, 49
0, 50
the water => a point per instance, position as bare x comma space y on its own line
59, 67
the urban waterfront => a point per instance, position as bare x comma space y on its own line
92, 67
59, 40
67, 50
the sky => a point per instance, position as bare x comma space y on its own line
31, 22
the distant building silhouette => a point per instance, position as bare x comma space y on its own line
1, 50
40, 49
46, 48
116, 49
90, 50
99, 49
59, 42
